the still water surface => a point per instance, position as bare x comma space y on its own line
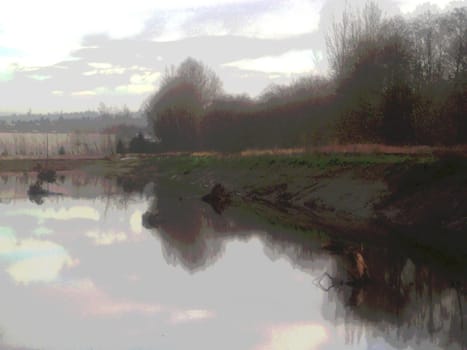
81, 271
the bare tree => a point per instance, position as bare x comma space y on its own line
347, 36
202, 77
175, 110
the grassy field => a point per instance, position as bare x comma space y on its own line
247, 169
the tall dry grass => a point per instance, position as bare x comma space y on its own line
57, 145
361, 149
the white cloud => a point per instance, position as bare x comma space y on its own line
214, 28
106, 238
101, 90
7, 236
84, 93
100, 65
292, 18
91, 72
92, 301
271, 20
42, 33
135, 222
33, 260
42, 231
408, 6
45, 32
40, 268
140, 83
78, 212
173, 29
183, 4
292, 62
142, 69
39, 77
7, 70
191, 316
104, 69
134, 89
295, 337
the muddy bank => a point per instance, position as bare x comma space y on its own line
420, 204
408, 200
413, 200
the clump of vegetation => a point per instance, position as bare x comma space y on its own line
47, 175
36, 192
36, 189
219, 198
121, 149
139, 144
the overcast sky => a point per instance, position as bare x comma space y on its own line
70, 55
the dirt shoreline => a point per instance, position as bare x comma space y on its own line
418, 199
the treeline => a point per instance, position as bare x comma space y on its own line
105, 119
190, 112
399, 81
394, 81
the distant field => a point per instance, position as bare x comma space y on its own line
39, 145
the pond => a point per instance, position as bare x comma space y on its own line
100, 268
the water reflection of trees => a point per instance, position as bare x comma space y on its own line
70, 184
408, 297
187, 231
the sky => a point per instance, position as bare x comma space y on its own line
70, 56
